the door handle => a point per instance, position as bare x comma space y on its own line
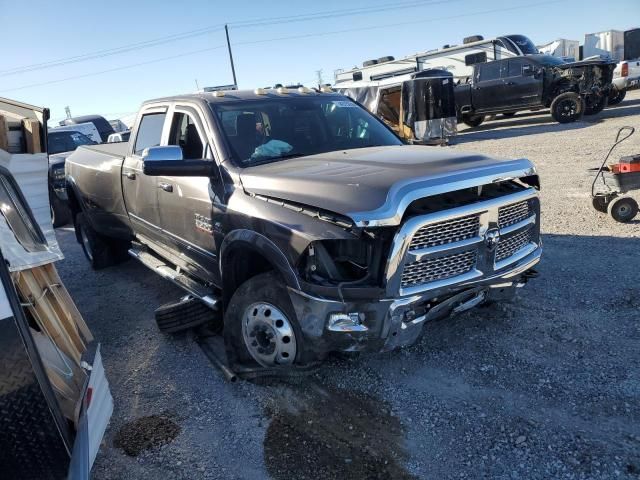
167, 187
129, 175
510, 83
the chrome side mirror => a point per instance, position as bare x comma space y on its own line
168, 152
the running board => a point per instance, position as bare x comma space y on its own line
165, 270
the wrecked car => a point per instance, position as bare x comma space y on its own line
305, 221
569, 89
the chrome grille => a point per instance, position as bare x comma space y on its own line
514, 213
443, 233
438, 268
509, 246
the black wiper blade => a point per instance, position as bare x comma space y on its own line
289, 155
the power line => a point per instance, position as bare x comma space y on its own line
292, 37
108, 52
214, 28
335, 13
399, 24
124, 67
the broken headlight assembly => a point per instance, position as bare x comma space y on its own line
343, 262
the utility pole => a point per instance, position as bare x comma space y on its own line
67, 110
233, 68
319, 75
197, 86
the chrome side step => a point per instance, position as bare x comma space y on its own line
170, 272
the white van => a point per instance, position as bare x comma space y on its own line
88, 129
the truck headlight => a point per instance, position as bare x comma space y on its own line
338, 261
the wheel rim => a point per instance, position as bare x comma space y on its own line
268, 335
568, 108
86, 246
624, 210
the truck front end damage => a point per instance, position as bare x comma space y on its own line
588, 78
437, 247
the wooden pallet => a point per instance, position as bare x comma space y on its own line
47, 300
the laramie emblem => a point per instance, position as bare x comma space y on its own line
203, 223
491, 238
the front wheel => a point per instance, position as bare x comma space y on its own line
595, 104
616, 96
260, 324
567, 107
473, 120
623, 209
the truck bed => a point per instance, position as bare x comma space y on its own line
115, 149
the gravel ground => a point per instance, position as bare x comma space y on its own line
546, 386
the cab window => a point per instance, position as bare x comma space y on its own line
489, 71
149, 131
184, 134
515, 67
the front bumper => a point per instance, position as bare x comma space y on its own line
390, 323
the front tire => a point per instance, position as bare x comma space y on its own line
260, 325
616, 96
567, 107
623, 209
473, 120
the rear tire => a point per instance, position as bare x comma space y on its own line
567, 107
101, 251
600, 203
616, 96
60, 212
260, 325
595, 105
473, 120
623, 209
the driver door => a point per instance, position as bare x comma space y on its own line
186, 202
522, 86
488, 87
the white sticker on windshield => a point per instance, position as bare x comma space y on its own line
344, 104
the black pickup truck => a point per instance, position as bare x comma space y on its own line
305, 220
569, 89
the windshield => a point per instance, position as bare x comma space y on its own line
524, 44
273, 129
58, 142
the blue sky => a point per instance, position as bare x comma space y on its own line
38, 31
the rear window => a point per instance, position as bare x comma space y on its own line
489, 71
149, 131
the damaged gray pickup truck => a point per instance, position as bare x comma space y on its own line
305, 220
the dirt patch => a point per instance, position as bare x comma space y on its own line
144, 433
333, 434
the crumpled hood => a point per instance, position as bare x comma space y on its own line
374, 185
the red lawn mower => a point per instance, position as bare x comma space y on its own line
608, 195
